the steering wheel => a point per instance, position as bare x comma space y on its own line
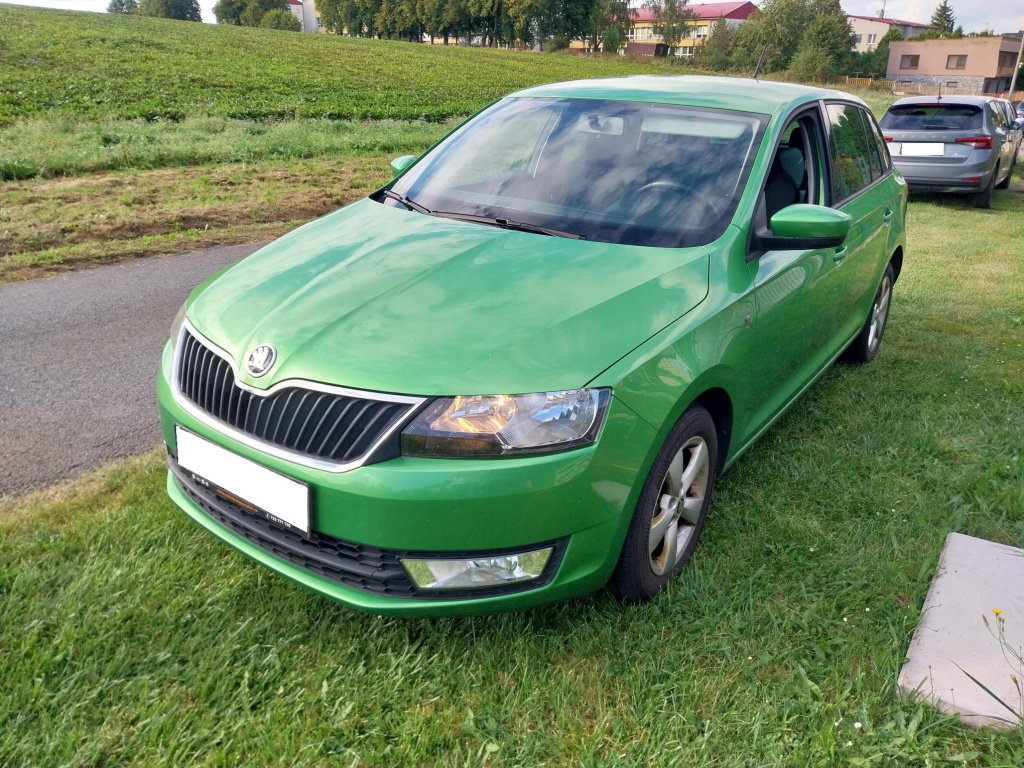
665, 184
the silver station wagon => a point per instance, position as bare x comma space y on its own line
957, 144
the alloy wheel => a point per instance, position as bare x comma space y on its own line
879, 313
679, 505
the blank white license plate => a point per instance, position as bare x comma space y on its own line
922, 149
261, 491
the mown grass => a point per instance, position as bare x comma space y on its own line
129, 636
47, 148
47, 226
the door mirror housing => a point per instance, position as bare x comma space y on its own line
802, 227
400, 164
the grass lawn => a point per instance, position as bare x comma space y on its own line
129, 636
52, 225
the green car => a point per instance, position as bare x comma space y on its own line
513, 375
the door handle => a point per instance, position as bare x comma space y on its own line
888, 217
839, 254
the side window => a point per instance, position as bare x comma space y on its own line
883, 148
997, 116
849, 150
795, 174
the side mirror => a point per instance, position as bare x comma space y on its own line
1017, 124
400, 164
802, 227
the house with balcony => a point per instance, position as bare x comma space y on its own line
643, 42
868, 31
965, 64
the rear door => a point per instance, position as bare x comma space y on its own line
859, 188
933, 135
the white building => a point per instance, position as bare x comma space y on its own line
305, 12
868, 31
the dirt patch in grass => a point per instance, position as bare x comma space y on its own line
49, 225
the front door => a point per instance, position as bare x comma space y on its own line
793, 298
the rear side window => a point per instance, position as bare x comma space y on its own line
933, 117
851, 154
883, 148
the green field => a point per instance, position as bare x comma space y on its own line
252, 117
128, 636
97, 65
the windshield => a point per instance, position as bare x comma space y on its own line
612, 171
932, 117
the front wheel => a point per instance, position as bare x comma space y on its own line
671, 510
865, 347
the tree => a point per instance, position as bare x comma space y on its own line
775, 27
229, 11
717, 52
279, 18
812, 62
943, 18
670, 20
879, 61
255, 10
182, 10
606, 15
123, 6
612, 40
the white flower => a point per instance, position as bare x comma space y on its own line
867, 610
849, 743
845, 619
858, 725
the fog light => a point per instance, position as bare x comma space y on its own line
479, 572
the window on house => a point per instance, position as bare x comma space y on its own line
956, 62
872, 38
700, 32
909, 62
952, 84
857, 39
685, 50
1007, 59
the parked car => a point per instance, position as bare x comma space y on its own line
1020, 109
514, 374
955, 144
1015, 128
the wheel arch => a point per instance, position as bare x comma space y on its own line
717, 402
897, 262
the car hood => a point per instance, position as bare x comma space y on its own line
380, 298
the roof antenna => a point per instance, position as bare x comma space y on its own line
760, 60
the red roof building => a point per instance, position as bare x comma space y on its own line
643, 41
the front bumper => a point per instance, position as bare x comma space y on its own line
579, 500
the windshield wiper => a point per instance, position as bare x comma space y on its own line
408, 202
518, 226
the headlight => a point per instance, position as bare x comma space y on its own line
507, 425
176, 324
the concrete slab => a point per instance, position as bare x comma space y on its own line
974, 576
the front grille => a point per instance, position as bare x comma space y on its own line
359, 566
321, 425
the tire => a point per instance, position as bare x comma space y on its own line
674, 500
1005, 183
984, 198
865, 347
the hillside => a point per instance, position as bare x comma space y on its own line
98, 65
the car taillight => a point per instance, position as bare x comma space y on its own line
978, 142
887, 138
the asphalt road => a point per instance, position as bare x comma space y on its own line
78, 360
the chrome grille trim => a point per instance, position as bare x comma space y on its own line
205, 401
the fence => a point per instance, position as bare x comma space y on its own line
912, 89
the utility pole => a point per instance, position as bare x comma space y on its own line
1016, 69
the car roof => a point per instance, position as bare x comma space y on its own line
976, 101
740, 94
